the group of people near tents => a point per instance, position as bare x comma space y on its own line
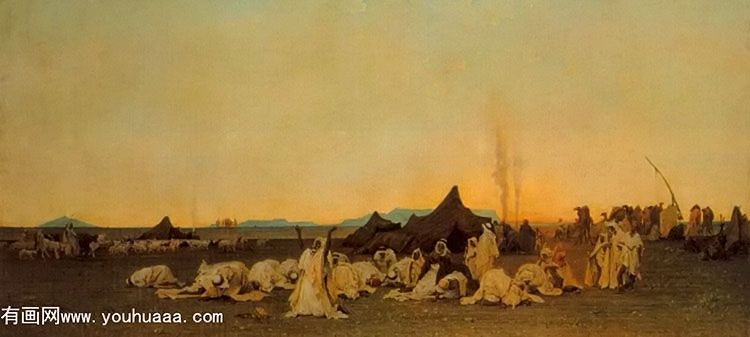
436, 276
320, 277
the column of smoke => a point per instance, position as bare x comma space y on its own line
517, 166
501, 173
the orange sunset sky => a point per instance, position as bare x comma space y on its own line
121, 112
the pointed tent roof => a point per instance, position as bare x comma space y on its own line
165, 231
375, 224
450, 220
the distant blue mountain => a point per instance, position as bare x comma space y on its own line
402, 215
489, 213
64, 220
275, 223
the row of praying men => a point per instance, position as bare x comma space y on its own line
319, 278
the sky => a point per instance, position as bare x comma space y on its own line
121, 112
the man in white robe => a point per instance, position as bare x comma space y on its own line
384, 259
536, 278
345, 280
224, 279
159, 276
288, 268
597, 267
423, 290
480, 254
70, 237
265, 276
496, 287
452, 286
615, 253
310, 296
630, 259
406, 271
369, 274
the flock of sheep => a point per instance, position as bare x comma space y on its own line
40, 245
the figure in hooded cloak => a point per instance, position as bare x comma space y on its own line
441, 256
707, 225
565, 270
310, 295
631, 252
223, 279
453, 286
695, 220
406, 271
384, 258
481, 254
437, 266
159, 276
597, 267
70, 237
562, 272
537, 279
497, 287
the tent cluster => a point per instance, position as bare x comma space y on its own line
374, 226
450, 220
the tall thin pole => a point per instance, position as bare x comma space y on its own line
674, 200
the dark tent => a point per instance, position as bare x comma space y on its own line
373, 226
451, 220
165, 231
396, 240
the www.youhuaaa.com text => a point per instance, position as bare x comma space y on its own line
54, 316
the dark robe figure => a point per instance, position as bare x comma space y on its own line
583, 223
441, 255
707, 225
526, 237
508, 240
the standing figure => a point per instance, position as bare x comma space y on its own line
707, 225
583, 224
310, 295
616, 239
70, 237
597, 268
630, 259
481, 254
695, 218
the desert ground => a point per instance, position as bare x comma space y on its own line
680, 295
